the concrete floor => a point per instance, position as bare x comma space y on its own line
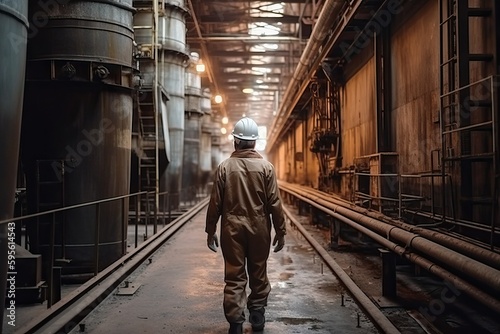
180, 291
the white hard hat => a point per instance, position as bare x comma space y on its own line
246, 129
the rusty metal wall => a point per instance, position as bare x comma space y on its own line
411, 118
359, 125
78, 114
415, 97
13, 29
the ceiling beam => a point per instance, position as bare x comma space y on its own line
250, 75
247, 65
244, 18
244, 54
246, 39
213, 2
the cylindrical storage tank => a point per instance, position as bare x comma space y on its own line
76, 140
13, 29
206, 140
172, 36
171, 180
192, 132
216, 143
172, 27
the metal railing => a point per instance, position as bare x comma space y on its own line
136, 217
34, 219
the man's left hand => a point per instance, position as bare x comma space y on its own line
212, 242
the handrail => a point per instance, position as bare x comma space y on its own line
76, 206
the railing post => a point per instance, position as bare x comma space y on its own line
124, 226
50, 293
155, 221
400, 196
96, 239
146, 210
388, 273
169, 208
164, 214
137, 211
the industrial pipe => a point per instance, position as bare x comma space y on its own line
329, 14
477, 253
485, 274
431, 267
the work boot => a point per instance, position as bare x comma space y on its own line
257, 319
235, 328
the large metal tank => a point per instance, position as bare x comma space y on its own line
13, 29
206, 140
192, 133
172, 35
76, 132
216, 142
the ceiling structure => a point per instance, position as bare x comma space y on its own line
275, 48
250, 50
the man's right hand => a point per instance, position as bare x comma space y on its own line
212, 242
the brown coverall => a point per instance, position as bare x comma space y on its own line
245, 193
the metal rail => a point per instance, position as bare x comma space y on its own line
68, 312
378, 318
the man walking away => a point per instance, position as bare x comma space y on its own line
245, 195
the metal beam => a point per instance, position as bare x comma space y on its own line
245, 38
245, 18
246, 53
246, 1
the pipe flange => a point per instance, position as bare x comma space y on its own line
101, 72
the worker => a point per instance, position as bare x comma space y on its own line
245, 195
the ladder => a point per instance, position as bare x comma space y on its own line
148, 163
467, 114
50, 188
148, 114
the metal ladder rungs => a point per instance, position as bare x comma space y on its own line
480, 57
479, 12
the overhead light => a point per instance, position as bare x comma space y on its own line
247, 90
259, 81
261, 69
223, 130
270, 46
218, 98
224, 120
200, 67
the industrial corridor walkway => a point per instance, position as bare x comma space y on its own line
180, 290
